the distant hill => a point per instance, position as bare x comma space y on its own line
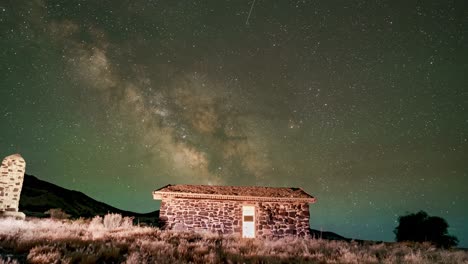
38, 196
327, 235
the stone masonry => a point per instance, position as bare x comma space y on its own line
199, 214
282, 219
11, 181
273, 219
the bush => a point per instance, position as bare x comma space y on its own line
57, 213
96, 223
112, 221
421, 227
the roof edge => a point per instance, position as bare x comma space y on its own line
158, 195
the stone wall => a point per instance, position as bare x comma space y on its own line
11, 181
272, 219
282, 219
199, 214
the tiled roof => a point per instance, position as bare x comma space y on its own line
233, 191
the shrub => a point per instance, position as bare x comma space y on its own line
44, 254
96, 223
421, 227
57, 213
112, 221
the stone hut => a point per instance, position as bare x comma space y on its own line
248, 211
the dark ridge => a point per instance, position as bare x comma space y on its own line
38, 196
327, 235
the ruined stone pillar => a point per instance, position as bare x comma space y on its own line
11, 182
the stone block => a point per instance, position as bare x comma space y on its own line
13, 214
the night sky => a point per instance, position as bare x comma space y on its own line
363, 104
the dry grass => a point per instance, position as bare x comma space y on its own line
113, 239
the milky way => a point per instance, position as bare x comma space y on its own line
362, 104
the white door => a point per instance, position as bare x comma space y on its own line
248, 221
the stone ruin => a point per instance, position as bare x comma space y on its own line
11, 182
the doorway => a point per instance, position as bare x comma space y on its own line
248, 221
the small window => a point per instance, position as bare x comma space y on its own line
248, 218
